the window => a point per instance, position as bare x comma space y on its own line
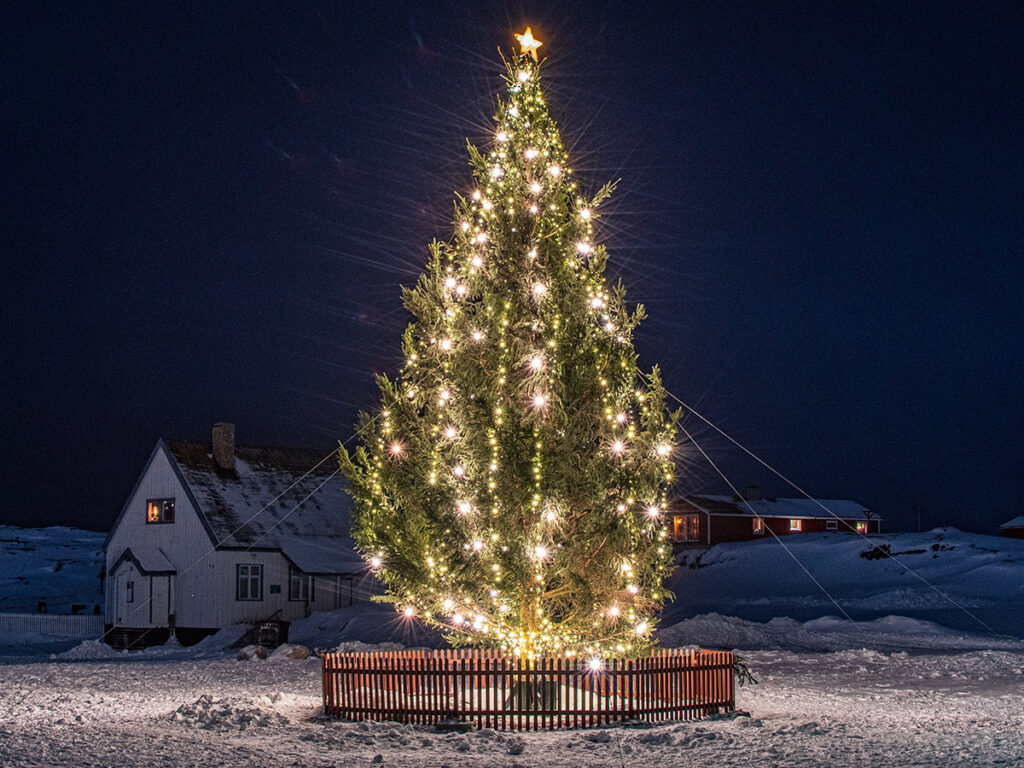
686, 528
831, 525
862, 527
344, 591
130, 592
796, 525
160, 511
758, 526
249, 582
300, 585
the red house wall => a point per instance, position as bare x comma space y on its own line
728, 528
1013, 533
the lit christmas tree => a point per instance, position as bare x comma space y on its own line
511, 489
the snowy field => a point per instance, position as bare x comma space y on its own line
905, 685
843, 708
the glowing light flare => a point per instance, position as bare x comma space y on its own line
465, 507
375, 563
458, 470
555, 171
539, 289
536, 363
540, 552
641, 628
617, 447
478, 336
536, 187
502, 136
540, 401
653, 512
664, 449
585, 214
396, 449
595, 665
409, 612
620, 418
451, 432
531, 154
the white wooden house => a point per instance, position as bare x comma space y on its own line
214, 535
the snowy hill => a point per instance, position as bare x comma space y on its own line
761, 580
60, 566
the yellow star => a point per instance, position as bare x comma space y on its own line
528, 44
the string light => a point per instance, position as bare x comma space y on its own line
456, 568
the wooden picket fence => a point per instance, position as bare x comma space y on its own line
507, 693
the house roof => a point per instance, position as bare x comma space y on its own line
147, 560
288, 499
1017, 522
790, 508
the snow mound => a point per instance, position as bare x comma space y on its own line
89, 650
828, 633
230, 715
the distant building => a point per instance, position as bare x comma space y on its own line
702, 521
1013, 529
214, 535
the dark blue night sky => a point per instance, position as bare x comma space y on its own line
208, 212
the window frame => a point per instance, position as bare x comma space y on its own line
758, 526
832, 525
683, 526
304, 581
254, 573
350, 589
129, 591
796, 524
167, 502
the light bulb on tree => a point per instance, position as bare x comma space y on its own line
520, 366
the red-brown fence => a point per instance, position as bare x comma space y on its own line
495, 691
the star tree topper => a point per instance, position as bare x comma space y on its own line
528, 44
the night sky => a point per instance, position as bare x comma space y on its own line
208, 213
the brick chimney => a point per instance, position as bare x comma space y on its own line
224, 446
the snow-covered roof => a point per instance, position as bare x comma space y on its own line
791, 508
291, 499
151, 560
1017, 522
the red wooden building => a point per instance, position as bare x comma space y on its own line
702, 521
1014, 529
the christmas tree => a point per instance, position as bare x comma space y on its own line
511, 489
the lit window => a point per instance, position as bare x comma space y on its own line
862, 527
249, 582
160, 511
831, 525
795, 525
686, 528
299, 585
758, 526
130, 592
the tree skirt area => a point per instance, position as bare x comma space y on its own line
182, 707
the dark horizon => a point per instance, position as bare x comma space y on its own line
210, 212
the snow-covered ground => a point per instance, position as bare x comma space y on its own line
892, 688
844, 708
58, 566
760, 580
